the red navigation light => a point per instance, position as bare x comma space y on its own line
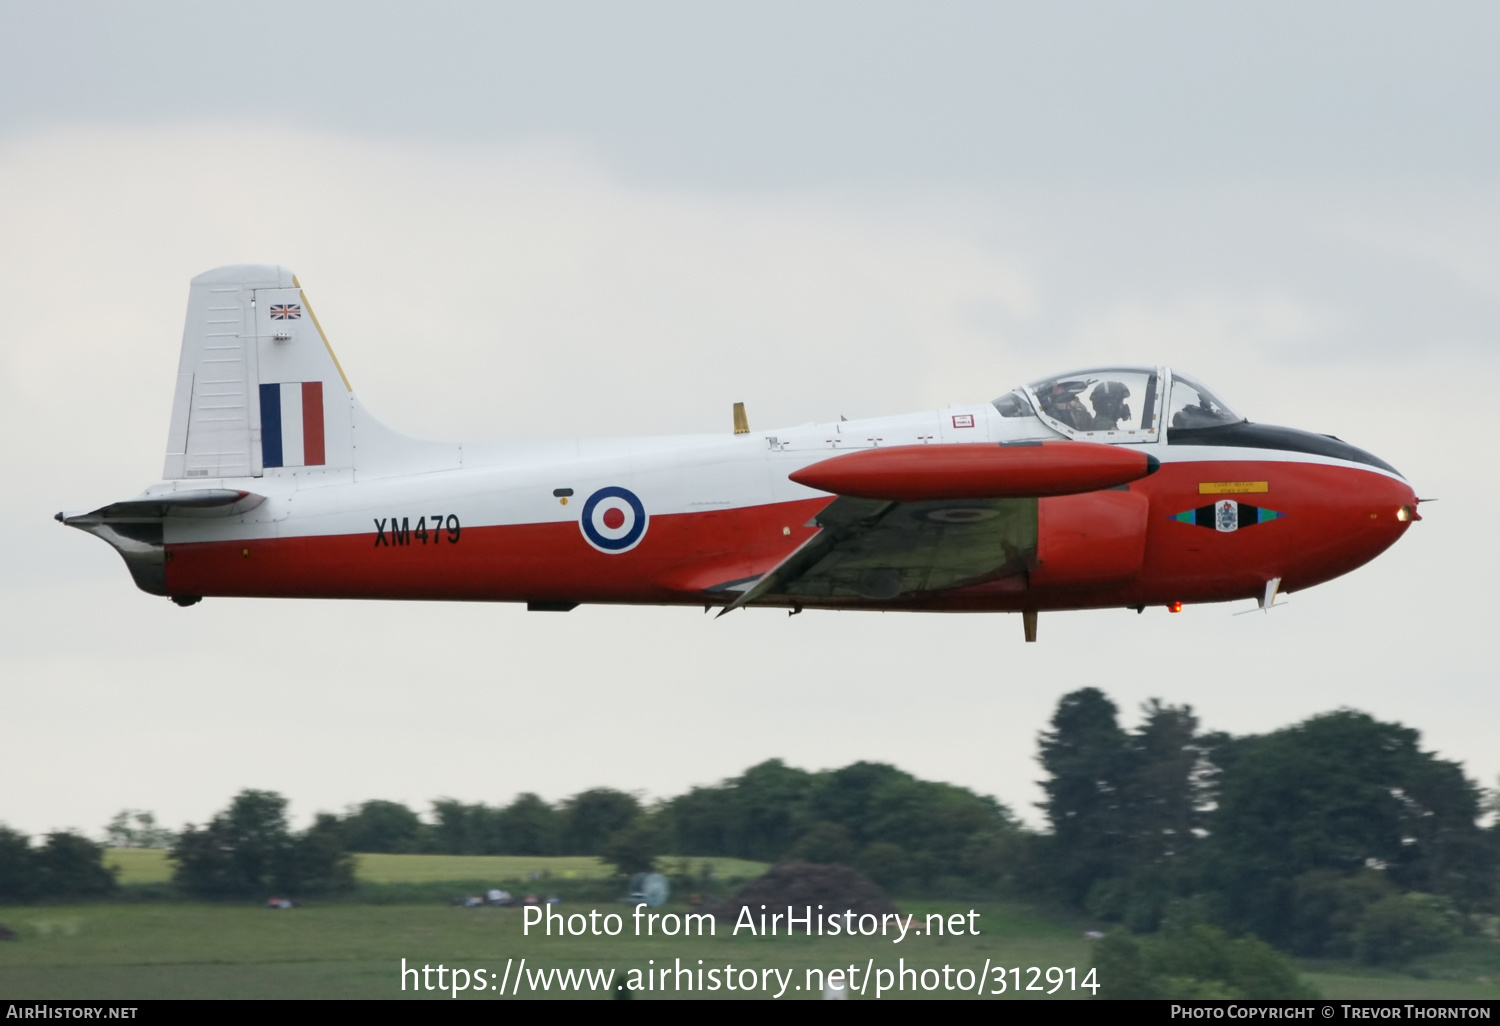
1174, 607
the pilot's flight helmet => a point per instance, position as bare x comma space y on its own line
1110, 392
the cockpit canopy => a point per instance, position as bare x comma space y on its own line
1117, 404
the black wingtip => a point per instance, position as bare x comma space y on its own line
1152, 465
59, 518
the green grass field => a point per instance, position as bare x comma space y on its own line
355, 951
159, 949
138, 866
182, 950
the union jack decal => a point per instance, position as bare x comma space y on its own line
286, 312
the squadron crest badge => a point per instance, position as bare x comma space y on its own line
1227, 515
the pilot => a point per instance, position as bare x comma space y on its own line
1109, 405
1060, 402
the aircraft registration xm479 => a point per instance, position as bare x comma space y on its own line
1114, 487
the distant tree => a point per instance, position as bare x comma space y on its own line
119, 833
67, 865
1492, 833
1127, 808
588, 819
887, 864
317, 861
20, 869
528, 826
757, 815
870, 800
932, 823
1327, 908
1345, 793
824, 842
381, 826
249, 850
703, 822
135, 828
1401, 927
461, 829
767, 804
453, 831
1165, 787
886, 822
635, 847
1123, 974
1197, 962
72, 866
996, 859
1087, 757
239, 852
257, 836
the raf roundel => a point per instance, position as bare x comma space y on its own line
613, 520
958, 515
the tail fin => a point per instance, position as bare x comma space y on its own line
258, 388
257, 385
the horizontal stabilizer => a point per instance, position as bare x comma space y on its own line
199, 502
136, 528
918, 473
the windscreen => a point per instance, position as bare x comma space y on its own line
1194, 406
1013, 404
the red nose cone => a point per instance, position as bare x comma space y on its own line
1343, 519
913, 473
1383, 510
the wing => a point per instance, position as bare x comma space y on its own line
913, 520
869, 549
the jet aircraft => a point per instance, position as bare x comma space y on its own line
1111, 487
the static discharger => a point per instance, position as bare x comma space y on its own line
741, 422
1028, 623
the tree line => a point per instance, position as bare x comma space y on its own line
1334, 837
66, 865
901, 830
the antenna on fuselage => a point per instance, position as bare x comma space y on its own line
1267, 601
741, 422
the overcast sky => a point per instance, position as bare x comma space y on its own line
608, 219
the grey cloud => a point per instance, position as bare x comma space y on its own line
780, 93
